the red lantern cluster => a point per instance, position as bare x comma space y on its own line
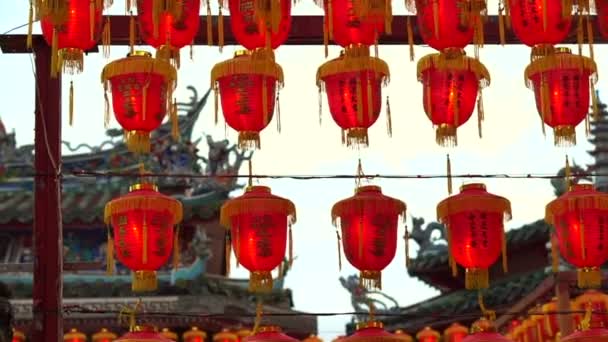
269, 333
260, 23
353, 83
452, 84
455, 333
74, 336
258, 223
143, 334
143, 222
195, 335
142, 90
104, 335
168, 25
580, 218
369, 222
474, 221
483, 330
248, 87
562, 83
428, 334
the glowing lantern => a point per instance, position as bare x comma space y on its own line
258, 24
74, 336
248, 86
369, 222
483, 331
596, 302
403, 336
194, 335
269, 334
142, 88
312, 338
258, 223
142, 222
455, 333
143, 334
532, 330
428, 335
562, 83
225, 336
451, 85
104, 335
18, 336
550, 322
514, 330
580, 218
167, 333
353, 83
242, 333
540, 24
168, 25
371, 331
590, 335
474, 221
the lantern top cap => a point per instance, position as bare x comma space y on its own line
473, 186
456, 328
269, 328
258, 189
145, 328
369, 324
368, 188
139, 53
427, 332
579, 187
143, 186
73, 330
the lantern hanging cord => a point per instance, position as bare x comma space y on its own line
17, 27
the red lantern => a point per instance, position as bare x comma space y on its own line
143, 223
369, 222
591, 335
601, 7
74, 336
269, 334
312, 338
428, 335
242, 333
143, 334
168, 25
597, 303
194, 335
353, 83
550, 322
225, 336
540, 24
258, 223
451, 85
169, 334
371, 331
514, 330
403, 336
257, 24
104, 335
18, 336
580, 218
455, 333
484, 331
142, 88
532, 330
248, 86
474, 222
449, 24
561, 84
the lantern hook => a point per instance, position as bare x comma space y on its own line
490, 315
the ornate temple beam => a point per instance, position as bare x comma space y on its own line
305, 30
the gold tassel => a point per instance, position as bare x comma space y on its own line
54, 52
290, 247
388, 17
132, 33
339, 250
278, 112
410, 37
449, 174
567, 174
71, 104
590, 37
30, 25
330, 20
174, 121
389, 121
92, 20
110, 255
216, 102
480, 112
505, 261
580, 33
220, 29
227, 253
501, 24
554, 254
176, 251
106, 39
595, 103
209, 25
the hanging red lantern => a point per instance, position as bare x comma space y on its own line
142, 222
312, 338
168, 25
601, 7
474, 221
597, 303
248, 86
104, 335
18, 336
403, 336
484, 331
142, 91
242, 333
371, 331
590, 335
580, 218
225, 336
143, 334
194, 335
514, 330
532, 330
428, 335
167, 333
74, 336
353, 83
562, 83
455, 333
452, 83
258, 24
258, 223
269, 333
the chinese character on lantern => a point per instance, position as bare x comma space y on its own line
260, 23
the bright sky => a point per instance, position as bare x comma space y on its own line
512, 143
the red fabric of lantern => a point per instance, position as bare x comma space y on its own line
561, 84
580, 218
371, 331
353, 83
168, 25
269, 334
474, 223
143, 334
369, 222
483, 331
142, 222
142, 88
248, 86
451, 85
225, 336
428, 335
597, 303
194, 335
258, 222
257, 24
550, 321
104, 335
74, 336
591, 335
455, 333
18, 336
601, 7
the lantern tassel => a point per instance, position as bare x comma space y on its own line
260, 282
580, 33
110, 255
589, 278
106, 39
480, 112
451, 261
567, 174
370, 280
174, 121
220, 29
216, 102
290, 247
71, 104
476, 278
505, 261
449, 174
278, 112
209, 25
410, 37
590, 37
595, 103
106, 112
339, 250
227, 253
176, 251
30, 25
54, 54
389, 121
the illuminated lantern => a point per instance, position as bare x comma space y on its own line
18, 336
428, 335
451, 85
258, 223
601, 7
104, 335
269, 334
225, 336
194, 335
369, 222
562, 83
169, 334
590, 335
353, 83
449, 24
455, 333
312, 338
532, 330
242, 333
540, 24
474, 221
142, 88
403, 336
514, 330
258, 24
143, 334
74, 336
248, 86
484, 331
580, 218
550, 321
142, 223
168, 25
596, 302
371, 331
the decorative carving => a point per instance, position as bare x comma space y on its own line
424, 236
361, 298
